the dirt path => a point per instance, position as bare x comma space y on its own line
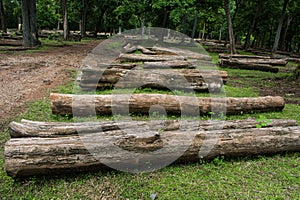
28, 76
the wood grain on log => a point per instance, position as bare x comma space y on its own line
149, 58
63, 104
185, 79
44, 153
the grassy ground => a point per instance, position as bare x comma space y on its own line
260, 177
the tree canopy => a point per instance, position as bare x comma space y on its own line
255, 22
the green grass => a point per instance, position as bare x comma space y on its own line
260, 177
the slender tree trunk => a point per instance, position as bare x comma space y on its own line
220, 33
65, 17
19, 23
230, 28
30, 33
83, 18
278, 32
3, 18
203, 31
195, 24
283, 40
252, 27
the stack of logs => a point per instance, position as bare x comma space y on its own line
53, 148
155, 67
249, 62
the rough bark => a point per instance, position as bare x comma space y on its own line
53, 148
64, 7
83, 18
9, 42
30, 31
3, 17
237, 64
230, 27
149, 58
85, 105
187, 79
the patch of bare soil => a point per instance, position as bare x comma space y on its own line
28, 76
288, 88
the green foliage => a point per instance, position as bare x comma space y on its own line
262, 121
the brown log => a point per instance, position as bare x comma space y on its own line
190, 79
7, 42
248, 66
84, 105
138, 143
132, 49
176, 64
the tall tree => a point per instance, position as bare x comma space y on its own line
65, 18
278, 32
3, 18
83, 18
253, 25
230, 28
30, 32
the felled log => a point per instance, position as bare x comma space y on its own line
145, 58
248, 66
218, 49
254, 59
54, 148
176, 64
85, 105
9, 42
190, 79
132, 49
201, 55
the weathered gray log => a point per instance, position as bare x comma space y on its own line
132, 49
84, 105
6, 42
186, 79
254, 59
248, 66
135, 144
150, 58
176, 64
201, 55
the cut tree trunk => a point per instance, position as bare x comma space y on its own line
186, 79
249, 66
38, 148
149, 58
9, 42
86, 105
176, 64
255, 59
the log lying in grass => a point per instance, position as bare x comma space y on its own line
85, 105
54, 148
176, 64
248, 66
8, 42
254, 59
186, 79
132, 49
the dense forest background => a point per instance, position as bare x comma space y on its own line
256, 23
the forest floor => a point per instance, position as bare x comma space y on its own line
28, 76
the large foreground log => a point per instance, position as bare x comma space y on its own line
149, 58
187, 79
64, 104
55, 148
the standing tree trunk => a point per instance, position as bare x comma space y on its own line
65, 16
287, 24
276, 42
195, 24
3, 18
252, 27
230, 28
83, 18
30, 33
